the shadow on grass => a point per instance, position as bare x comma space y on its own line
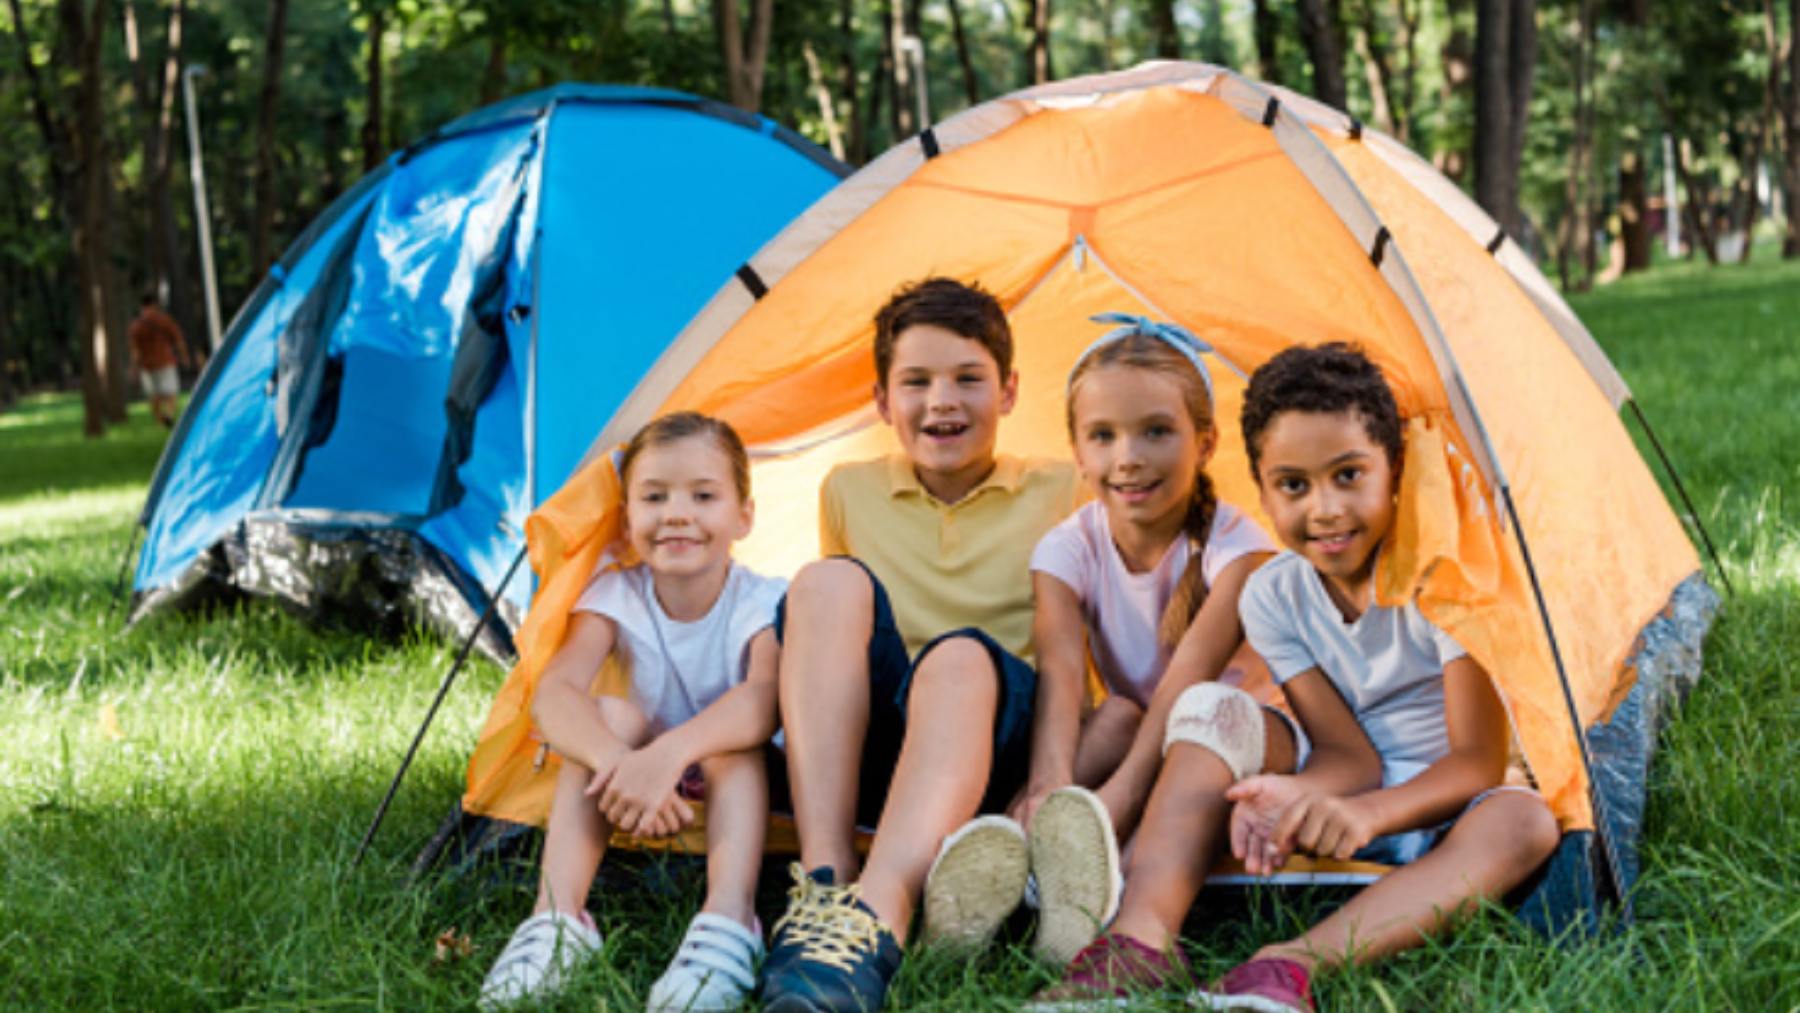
41, 441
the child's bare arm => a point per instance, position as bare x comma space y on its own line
1479, 734
1210, 641
1276, 813
1059, 634
563, 708
642, 786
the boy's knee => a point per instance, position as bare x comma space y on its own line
1522, 828
835, 584
721, 767
956, 664
1222, 719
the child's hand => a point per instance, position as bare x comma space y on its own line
1260, 805
1330, 826
603, 767
674, 817
641, 788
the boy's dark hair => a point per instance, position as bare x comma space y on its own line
148, 298
1330, 378
966, 309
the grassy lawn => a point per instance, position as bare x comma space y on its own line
179, 804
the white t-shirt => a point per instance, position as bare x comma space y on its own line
1124, 609
1388, 665
678, 668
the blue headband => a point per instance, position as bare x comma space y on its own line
1172, 334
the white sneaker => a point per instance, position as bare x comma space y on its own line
538, 960
1075, 861
976, 881
715, 968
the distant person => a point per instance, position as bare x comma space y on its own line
157, 347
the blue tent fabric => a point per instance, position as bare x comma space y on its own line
435, 354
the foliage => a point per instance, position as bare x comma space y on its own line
179, 803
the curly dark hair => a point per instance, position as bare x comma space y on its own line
1329, 378
965, 308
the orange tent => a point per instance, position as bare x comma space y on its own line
1259, 219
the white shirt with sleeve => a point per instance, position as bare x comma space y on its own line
679, 668
1123, 609
1388, 665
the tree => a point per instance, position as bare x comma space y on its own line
1266, 27
1321, 32
746, 49
1167, 38
1039, 54
260, 257
1505, 59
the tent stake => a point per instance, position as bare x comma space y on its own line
1681, 490
124, 564
1609, 855
443, 690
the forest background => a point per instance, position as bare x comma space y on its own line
1562, 117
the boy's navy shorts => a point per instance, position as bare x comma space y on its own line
890, 684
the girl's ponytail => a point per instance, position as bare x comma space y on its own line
1190, 593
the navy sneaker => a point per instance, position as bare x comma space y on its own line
829, 953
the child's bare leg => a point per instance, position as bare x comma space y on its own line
824, 691
941, 776
1106, 736
1490, 850
577, 835
1183, 833
737, 817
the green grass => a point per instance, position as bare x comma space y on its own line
179, 804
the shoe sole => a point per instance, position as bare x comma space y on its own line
975, 884
1076, 862
1252, 1003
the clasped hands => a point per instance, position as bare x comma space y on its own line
1277, 814
634, 789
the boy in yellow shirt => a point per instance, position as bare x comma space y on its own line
906, 683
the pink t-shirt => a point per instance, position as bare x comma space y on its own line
1124, 609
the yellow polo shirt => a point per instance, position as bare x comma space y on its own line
948, 565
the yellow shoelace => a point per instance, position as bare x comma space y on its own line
826, 922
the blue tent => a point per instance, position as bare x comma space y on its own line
434, 355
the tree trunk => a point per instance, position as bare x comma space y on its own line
1577, 230
371, 131
1696, 211
1378, 71
1267, 28
971, 86
1506, 55
1041, 70
1790, 243
827, 108
1634, 210
1457, 58
859, 124
746, 52
82, 32
1165, 37
906, 119
1319, 30
267, 101
493, 77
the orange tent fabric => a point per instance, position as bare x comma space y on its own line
1258, 219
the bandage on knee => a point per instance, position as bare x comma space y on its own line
1223, 719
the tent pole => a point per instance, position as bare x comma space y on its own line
124, 565
462, 655
1609, 855
1681, 490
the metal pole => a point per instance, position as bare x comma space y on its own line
437, 701
1681, 490
202, 216
1609, 854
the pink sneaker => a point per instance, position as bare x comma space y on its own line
1108, 973
1269, 985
